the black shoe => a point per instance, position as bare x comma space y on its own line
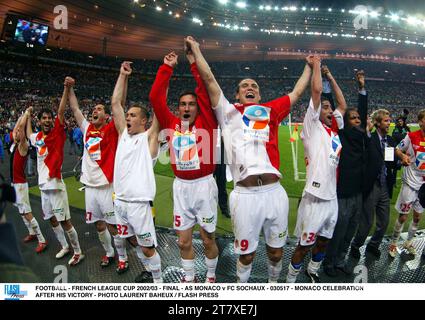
144, 277
314, 277
355, 253
330, 271
373, 251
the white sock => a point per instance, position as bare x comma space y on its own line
413, 227
398, 228
313, 267
293, 272
243, 272
275, 269
36, 229
60, 235
211, 266
189, 270
155, 267
106, 241
73, 237
121, 248
28, 225
143, 258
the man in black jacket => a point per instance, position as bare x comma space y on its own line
354, 141
378, 185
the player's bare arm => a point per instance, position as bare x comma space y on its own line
341, 104
302, 83
153, 137
316, 82
119, 95
404, 158
214, 90
64, 100
27, 116
19, 133
73, 102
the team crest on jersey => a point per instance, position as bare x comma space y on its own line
420, 160
186, 151
93, 148
256, 119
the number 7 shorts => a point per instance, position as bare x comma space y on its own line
135, 219
259, 208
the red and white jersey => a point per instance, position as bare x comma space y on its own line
250, 135
18, 165
134, 179
99, 154
414, 144
50, 157
322, 149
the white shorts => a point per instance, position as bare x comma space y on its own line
316, 217
55, 203
22, 198
135, 219
195, 202
408, 199
259, 208
99, 204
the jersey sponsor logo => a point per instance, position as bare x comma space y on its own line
256, 120
41, 147
316, 184
186, 151
336, 149
256, 117
93, 148
420, 160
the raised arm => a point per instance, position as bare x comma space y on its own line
153, 136
158, 94
341, 104
73, 102
64, 100
316, 82
301, 84
118, 96
214, 90
203, 99
362, 104
27, 116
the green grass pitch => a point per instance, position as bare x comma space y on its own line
164, 178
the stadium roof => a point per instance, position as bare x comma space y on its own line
261, 30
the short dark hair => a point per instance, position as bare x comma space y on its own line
324, 98
105, 107
347, 115
239, 84
188, 93
43, 111
144, 110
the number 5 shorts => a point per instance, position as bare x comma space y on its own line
256, 209
195, 202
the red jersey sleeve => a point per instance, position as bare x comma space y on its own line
281, 106
204, 102
158, 96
